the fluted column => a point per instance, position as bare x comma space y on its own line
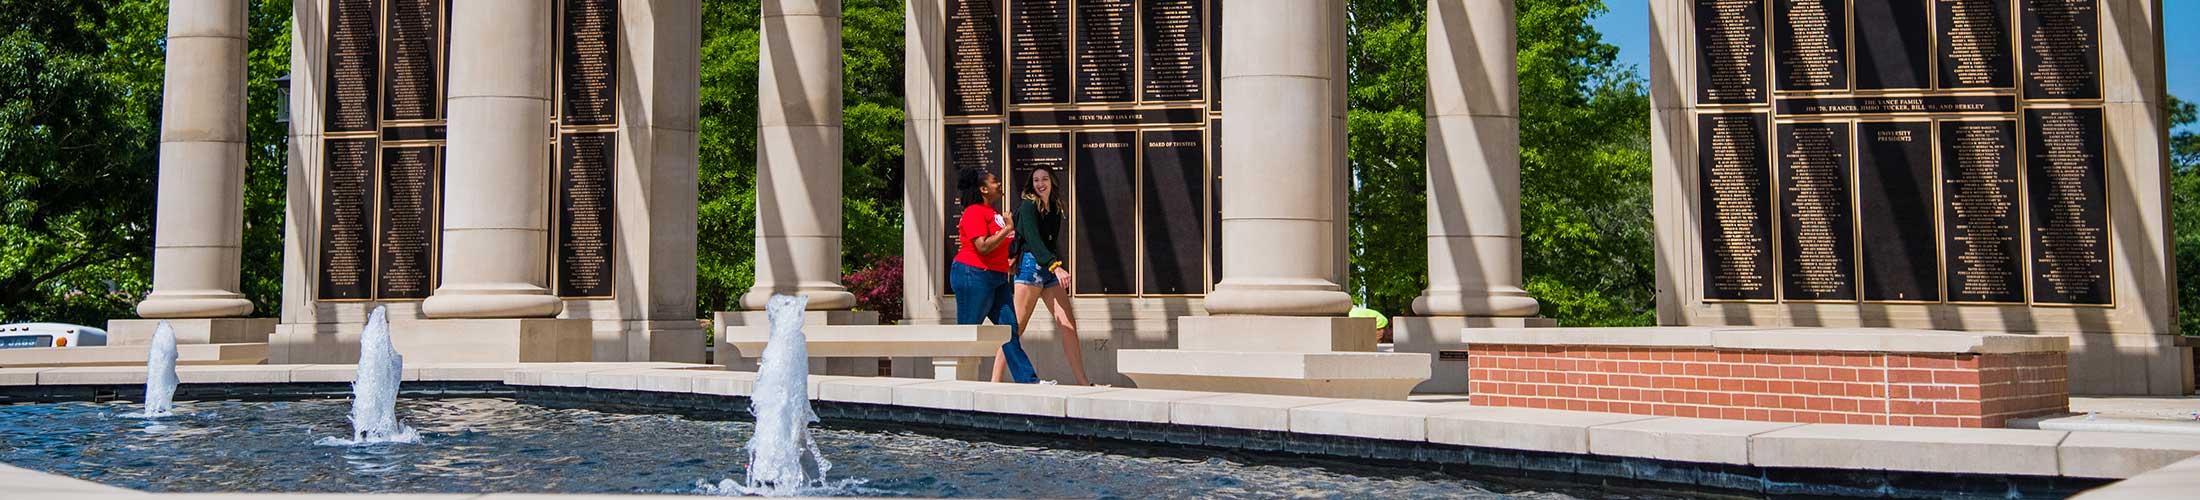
1473, 163
798, 156
496, 213
1280, 160
198, 231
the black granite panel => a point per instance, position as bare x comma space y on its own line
1029, 151
415, 133
968, 146
1039, 52
1106, 190
2067, 195
1894, 201
1817, 222
353, 63
973, 79
407, 222
414, 49
1735, 175
1894, 44
1974, 44
589, 62
1981, 213
1214, 199
1730, 52
347, 220
1175, 50
584, 214
1107, 34
2061, 45
1214, 61
1092, 117
1866, 105
1810, 40
1174, 186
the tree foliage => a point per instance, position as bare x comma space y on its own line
2185, 209
871, 41
1585, 163
80, 90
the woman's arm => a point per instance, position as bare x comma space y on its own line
987, 243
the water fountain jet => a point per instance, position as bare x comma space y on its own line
160, 373
781, 405
374, 388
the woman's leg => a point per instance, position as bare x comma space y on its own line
1065, 329
1004, 313
973, 301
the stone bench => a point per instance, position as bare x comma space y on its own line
133, 355
956, 350
1810, 375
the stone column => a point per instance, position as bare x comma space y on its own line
1473, 163
798, 156
1278, 72
496, 215
198, 230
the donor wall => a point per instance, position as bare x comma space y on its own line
1982, 165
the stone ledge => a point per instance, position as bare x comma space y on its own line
1702, 440
186, 354
877, 391
1392, 420
827, 341
2177, 480
1778, 339
1032, 399
1876, 447
1130, 405
1521, 428
1360, 375
1260, 412
2121, 454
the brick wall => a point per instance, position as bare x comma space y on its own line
1933, 390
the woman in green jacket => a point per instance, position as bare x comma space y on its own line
1042, 273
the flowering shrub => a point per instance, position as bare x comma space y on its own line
877, 286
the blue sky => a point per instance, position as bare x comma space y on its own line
1628, 26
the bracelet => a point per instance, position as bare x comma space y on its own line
1056, 266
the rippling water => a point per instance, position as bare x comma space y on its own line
498, 445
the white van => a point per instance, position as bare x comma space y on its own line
27, 335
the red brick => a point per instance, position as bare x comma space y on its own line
1910, 376
1871, 405
1857, 419
1685, 411
1955, 377
1844, 405
1933, 421
1956, 408
1909, 407
1820, 404
1756, 386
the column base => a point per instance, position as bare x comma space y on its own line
1435, 335
669, 341
732, 360
1295, 356
1232, 299
834, 298
1513, 303
192, 331
187, 305
511, 340
491, 304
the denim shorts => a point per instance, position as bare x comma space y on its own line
1029, 273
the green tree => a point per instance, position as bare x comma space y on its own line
1585, 166
871, 32
2185, 209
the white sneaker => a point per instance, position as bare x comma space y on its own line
1048, 382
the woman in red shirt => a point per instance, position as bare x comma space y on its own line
980, 274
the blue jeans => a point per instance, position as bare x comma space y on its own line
979, 294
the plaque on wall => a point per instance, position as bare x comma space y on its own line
1981, 226
976, 145
1106, 45
1867, 105
406, 222
1039, 55
1810, 39
1730, 51
1817, 227
1033, 150
973, 79
1894, 45
1107, 209
2061, 46
1735, 199
1214, 69
354, 54
1174, 50
2067, 196
347, 211
1894, 201
1174, 183
1214, 198
413, 77
584, 219
1974, 46
1090, 117
588, 62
